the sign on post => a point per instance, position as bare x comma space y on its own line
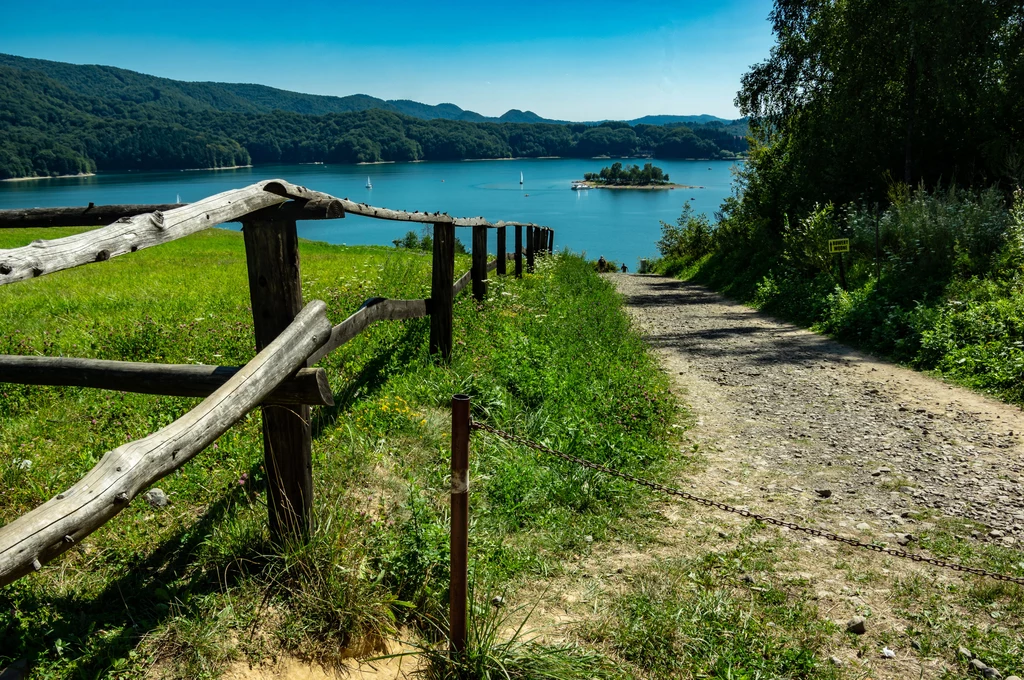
838, 245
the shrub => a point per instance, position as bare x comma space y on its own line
688, 239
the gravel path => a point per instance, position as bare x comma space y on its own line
783, 414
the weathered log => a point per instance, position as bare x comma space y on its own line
502, 260
327, 208
479, 268
99, 215
519, 251
493, 264
275, 293
441, 291
308, 386
134, 233
461, 283
302, 193
84, 216
374, 309
531, 244
37, 537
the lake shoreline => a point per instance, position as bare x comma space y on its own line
647, 187
223, 167
37, 177
583, 220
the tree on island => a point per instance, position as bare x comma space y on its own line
633, 176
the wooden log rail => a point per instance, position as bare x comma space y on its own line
308, 386
42, 534
139, 227
288, 339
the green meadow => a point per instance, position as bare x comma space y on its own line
185, 590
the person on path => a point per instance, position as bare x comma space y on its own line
601, 264
624, 269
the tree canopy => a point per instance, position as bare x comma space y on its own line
617, 175
859, 94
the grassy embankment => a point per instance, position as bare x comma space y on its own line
945, 292
186, 590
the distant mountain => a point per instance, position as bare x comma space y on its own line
110, 82
668, 120
130, 86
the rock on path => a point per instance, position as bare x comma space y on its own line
790, 414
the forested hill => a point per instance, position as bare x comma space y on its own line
109, 82
62, 119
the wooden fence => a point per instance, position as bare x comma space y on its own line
291, 336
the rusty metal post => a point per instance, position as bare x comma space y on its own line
459, 559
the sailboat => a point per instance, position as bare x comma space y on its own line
369, 184
520, 179
177, 198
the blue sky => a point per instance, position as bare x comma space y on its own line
562, 59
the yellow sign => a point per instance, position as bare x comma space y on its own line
839, 245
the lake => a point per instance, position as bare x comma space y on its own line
621, 225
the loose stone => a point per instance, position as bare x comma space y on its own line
156, 498
856, 625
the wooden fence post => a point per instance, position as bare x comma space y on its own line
551, 241
459, 539
531, 240
441, 295
275, 290
479, 262
519, 251
501, 252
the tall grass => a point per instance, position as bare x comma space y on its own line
184, 590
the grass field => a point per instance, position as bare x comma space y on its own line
184, 590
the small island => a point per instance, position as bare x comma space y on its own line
634, 177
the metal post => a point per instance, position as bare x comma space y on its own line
459, 558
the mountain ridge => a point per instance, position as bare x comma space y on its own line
100, 81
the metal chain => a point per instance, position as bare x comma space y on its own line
739, 511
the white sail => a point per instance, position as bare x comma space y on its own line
520, 178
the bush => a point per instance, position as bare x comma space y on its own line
688, 239
934, 279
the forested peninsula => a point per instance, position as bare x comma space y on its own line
61, 119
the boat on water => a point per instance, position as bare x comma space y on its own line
369, 184
579, 186
520, 179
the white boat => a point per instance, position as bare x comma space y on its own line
579, 186
520, 179
369, 184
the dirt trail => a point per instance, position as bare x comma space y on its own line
794, 425
784, 412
